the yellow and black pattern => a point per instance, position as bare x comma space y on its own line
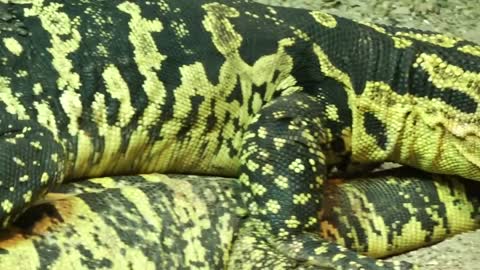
176, 222
132, 222
442, 206
418, 208
275, 96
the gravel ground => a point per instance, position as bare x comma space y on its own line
455, 17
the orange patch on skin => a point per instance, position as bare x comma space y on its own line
65, 209
335, 181
10, 238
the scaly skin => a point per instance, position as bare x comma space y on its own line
232, 88
177, 222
